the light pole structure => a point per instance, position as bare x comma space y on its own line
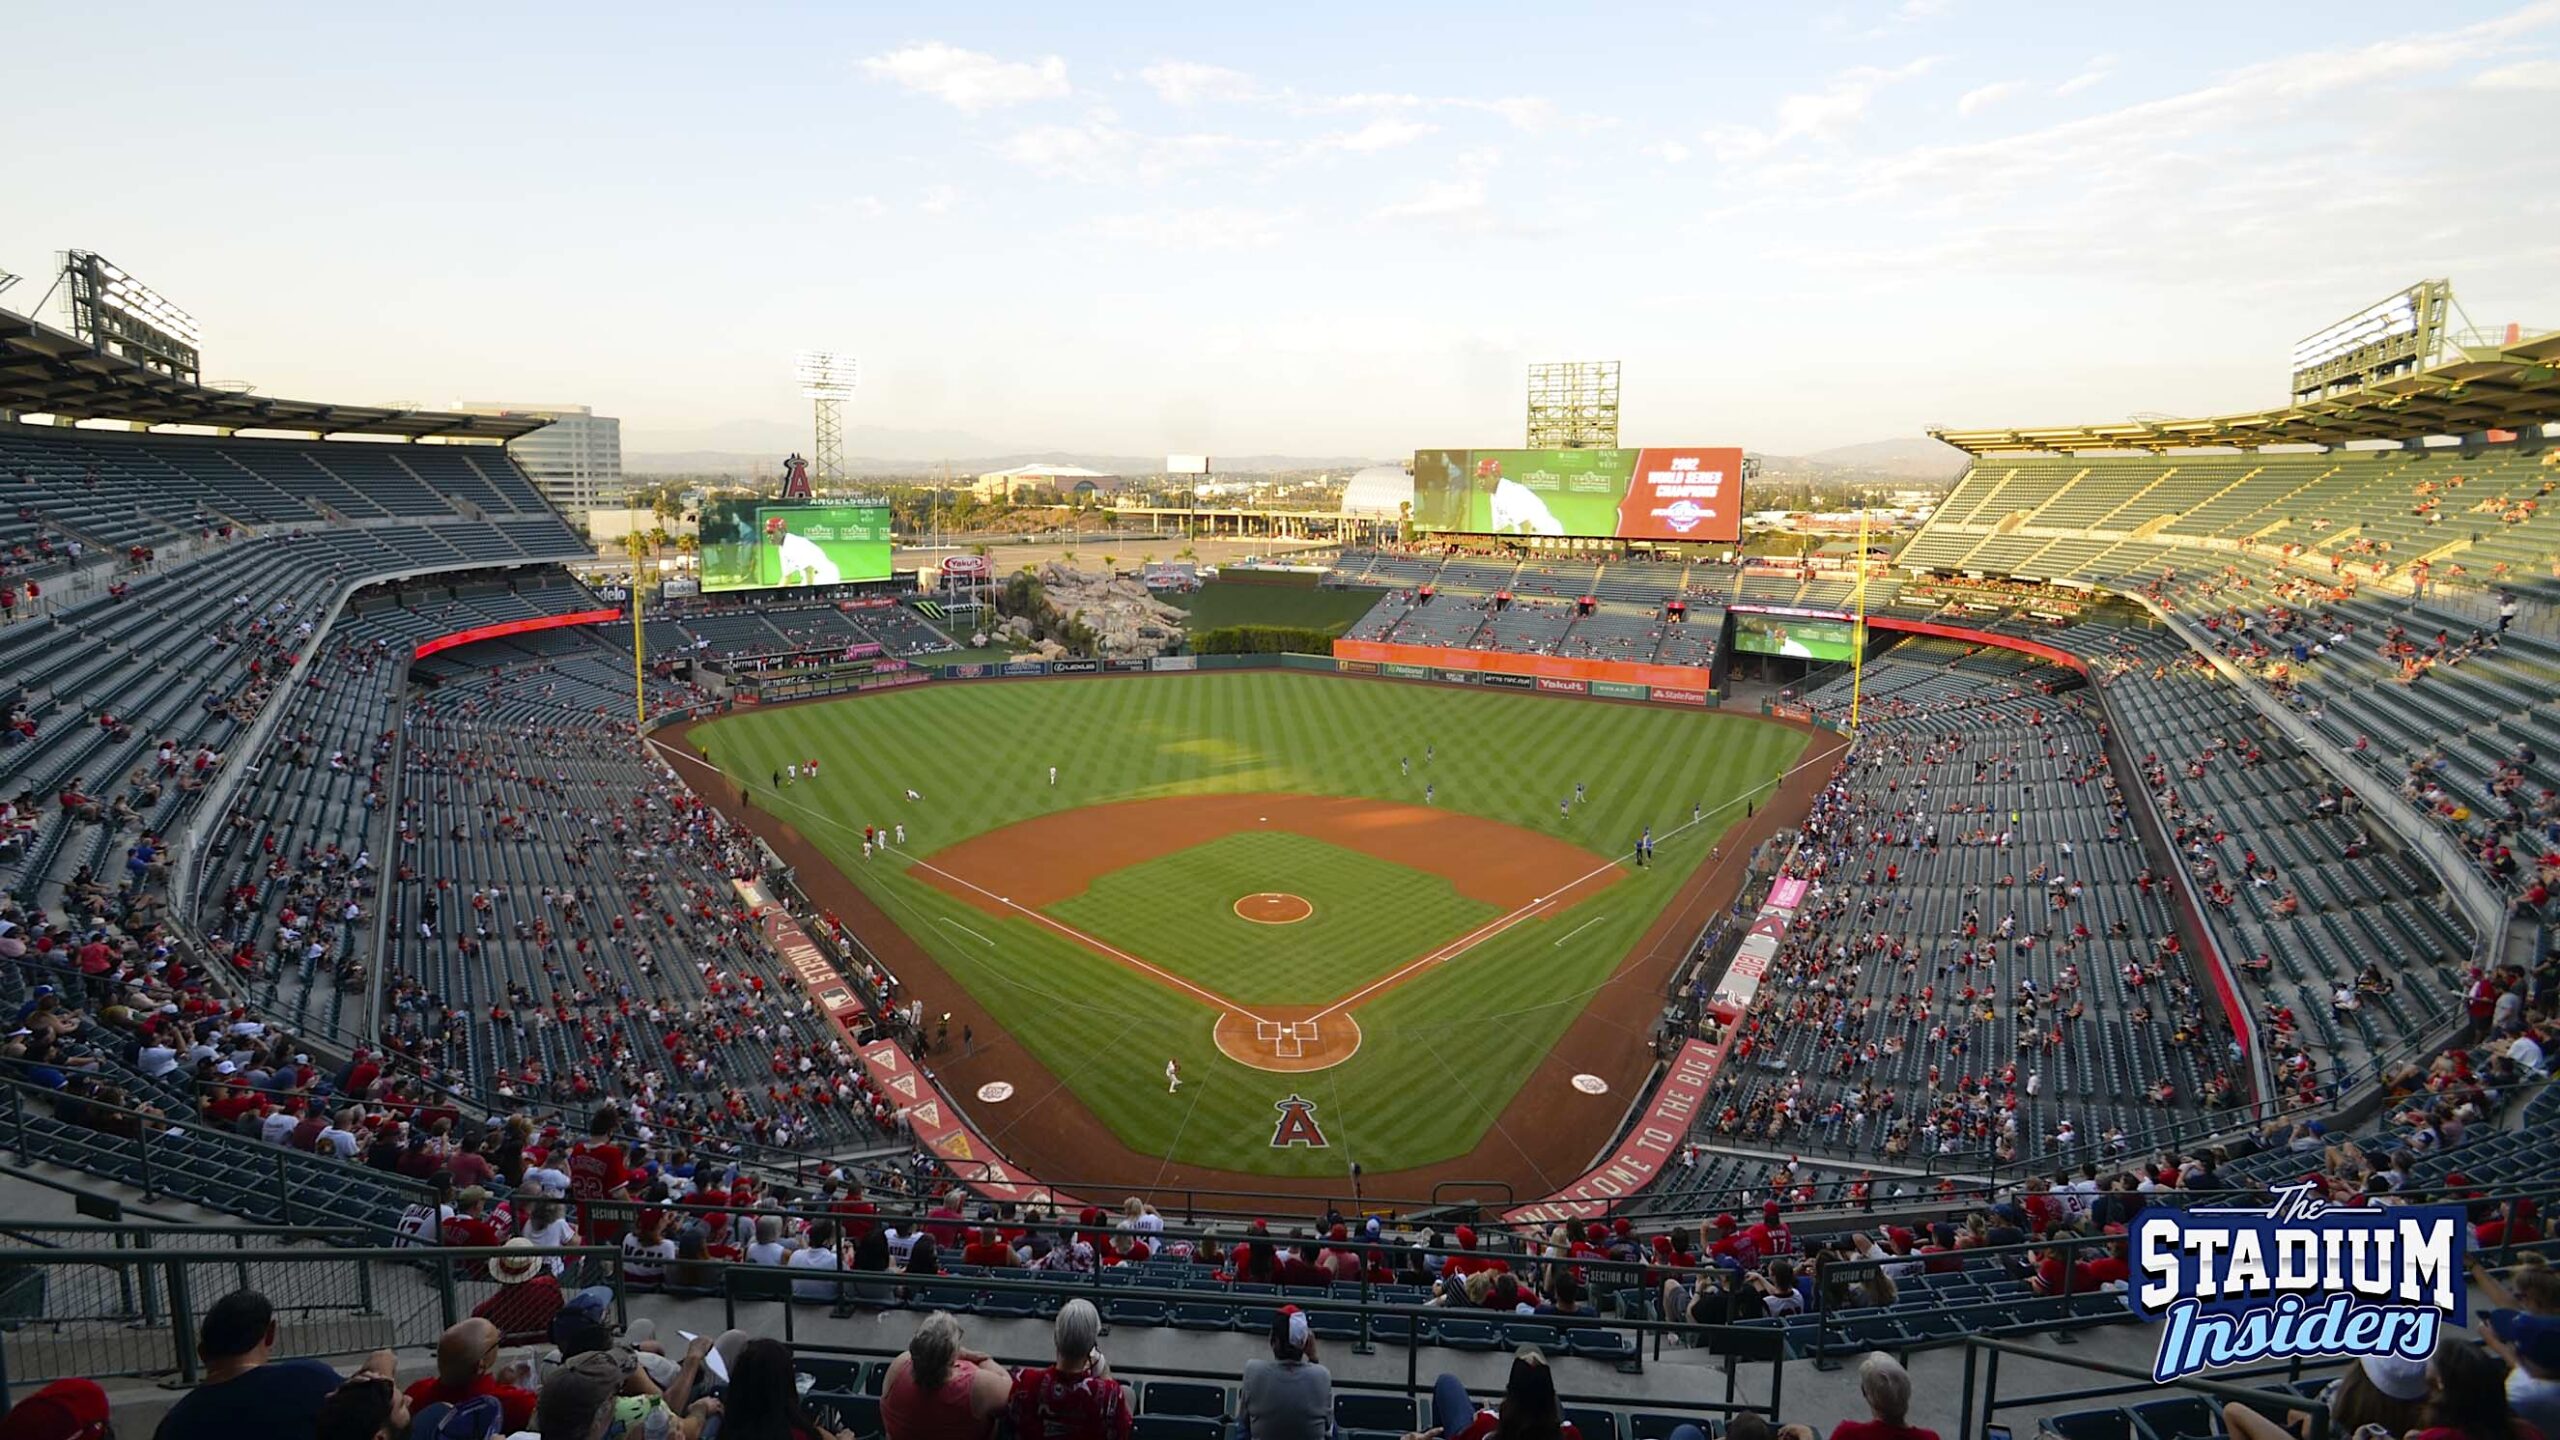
826, 381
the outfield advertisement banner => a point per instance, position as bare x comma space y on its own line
1510, 682
1687, 492
1025, 667
968, 672
1675, 695
1554, 686
1648, 1147
1412, 661
1612, 690
1174, 662
1458, 677
753, 544
940, 1129
1135, 665
1357, 667
516, 627
1402, 672
1075, 667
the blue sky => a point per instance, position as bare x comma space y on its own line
1313, 229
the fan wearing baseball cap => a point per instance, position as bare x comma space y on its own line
1290, 1395
2530, 1344
63, 1410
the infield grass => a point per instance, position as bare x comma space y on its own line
1441, 1054
1179, 912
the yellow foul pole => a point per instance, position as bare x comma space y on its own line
639, 650
1858, 628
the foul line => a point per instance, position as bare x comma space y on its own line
1578, 929
1072, 933
965, 930
1478, 936
1451, 951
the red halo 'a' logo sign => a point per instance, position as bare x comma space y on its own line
1297, 1125
795, 479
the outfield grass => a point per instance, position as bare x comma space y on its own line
1221, 603
1464, 1035
1370, 917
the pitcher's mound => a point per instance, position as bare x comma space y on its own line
1272, 907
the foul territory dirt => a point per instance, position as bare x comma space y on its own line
1544, 1137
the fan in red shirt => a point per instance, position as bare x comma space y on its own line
1075, 1399
2051, 1270
1887, 1388
1460, 1266
465, 1356
1771, 1236
989, 1250
472, 1225
597, 1171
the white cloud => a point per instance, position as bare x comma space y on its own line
2217, 183
2090, 74
938, 200
2529, 75
1669, 152
1462, 202
1099, 151
1090, 151
1826, 114
1915, 10
1383, 133
1185, 82
1210, 228
969, 80
1974, 101
1366, 100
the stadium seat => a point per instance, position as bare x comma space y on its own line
1361, 1410
1181, 1397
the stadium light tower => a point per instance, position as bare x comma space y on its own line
826, 379
1573, 405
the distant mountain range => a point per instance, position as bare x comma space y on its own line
893, 453
1914, 457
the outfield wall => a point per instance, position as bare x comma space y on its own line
1486, 669
1529, 667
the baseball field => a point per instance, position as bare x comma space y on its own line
1354, 915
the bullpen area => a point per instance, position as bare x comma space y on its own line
1264, 924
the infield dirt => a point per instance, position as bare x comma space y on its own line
1545, 1135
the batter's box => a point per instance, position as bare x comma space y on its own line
1288, 1039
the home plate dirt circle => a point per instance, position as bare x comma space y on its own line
1274, 907
1289, 1039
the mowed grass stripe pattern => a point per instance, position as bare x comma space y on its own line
1179, 912
1441, 1054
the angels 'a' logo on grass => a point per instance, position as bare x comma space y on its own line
1297, 1124
2298, 1278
